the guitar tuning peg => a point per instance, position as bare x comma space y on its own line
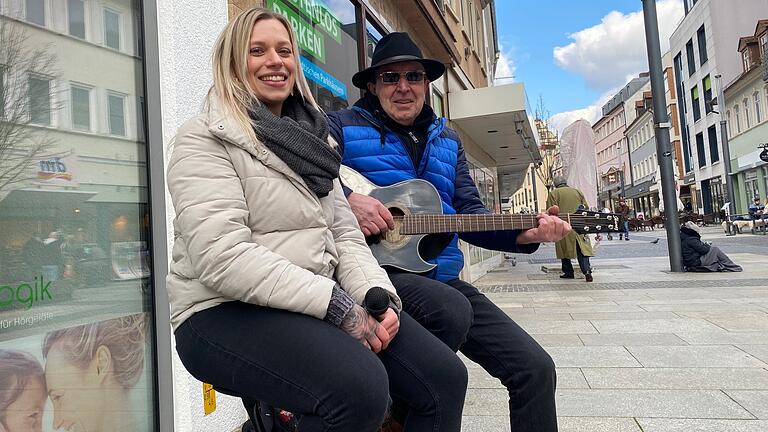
586, 228
599, 227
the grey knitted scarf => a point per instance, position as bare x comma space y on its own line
300, 139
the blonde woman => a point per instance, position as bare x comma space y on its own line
90, 371
269, 268
22, 392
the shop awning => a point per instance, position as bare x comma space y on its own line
639, 190
497, 119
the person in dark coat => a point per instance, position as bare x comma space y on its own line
700, 256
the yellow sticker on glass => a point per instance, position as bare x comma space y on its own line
209, 398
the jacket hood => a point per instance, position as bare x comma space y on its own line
687, 232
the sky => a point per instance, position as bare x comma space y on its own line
575, 55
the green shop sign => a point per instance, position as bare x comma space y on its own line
320, 15
26, 294
310, 40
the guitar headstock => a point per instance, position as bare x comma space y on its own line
591, 222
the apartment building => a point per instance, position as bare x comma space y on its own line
701, 47
746, 112
643, 195
613, 167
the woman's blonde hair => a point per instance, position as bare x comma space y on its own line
124, 337
230, 67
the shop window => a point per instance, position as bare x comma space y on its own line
111, 29
329, 50
75, 284
35, 11
40, 100
714, 152
373, 36
81, 107
76, 16
750, 186
116, 111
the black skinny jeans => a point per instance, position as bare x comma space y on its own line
309, 367
465, 319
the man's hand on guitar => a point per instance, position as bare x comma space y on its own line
373, 217
551, 228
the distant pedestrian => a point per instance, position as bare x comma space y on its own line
573, 245
699, 256
623, 210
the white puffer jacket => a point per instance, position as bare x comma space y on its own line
248, 228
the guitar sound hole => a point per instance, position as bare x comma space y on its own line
393, 237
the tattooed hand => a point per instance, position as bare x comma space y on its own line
363, 327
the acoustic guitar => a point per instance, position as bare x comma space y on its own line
422, 231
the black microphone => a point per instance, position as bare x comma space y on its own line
376, 301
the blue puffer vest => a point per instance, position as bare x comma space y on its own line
378, 153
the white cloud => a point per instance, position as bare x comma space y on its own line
606, 54
592, 113
505, 68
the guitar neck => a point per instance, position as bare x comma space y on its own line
435, 224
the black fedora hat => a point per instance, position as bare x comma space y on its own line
395, 48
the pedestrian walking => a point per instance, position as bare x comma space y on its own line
573, 245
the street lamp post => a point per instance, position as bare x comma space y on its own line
662, 125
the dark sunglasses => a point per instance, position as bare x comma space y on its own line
410, 76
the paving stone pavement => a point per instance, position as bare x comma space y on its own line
641, 349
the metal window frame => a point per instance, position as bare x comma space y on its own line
162, 361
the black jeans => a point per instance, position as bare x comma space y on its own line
468, 321
567, 266
312, 368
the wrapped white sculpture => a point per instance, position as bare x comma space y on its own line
577, 151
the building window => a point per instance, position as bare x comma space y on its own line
738, 119
35, 11
76, 15
701, 37
747, 122
690, 57
687, 149
714, 153
707, 84
745, 59
437, 103
700, 150
40, 100
763, 46
695, 103
111, 29
116, 110
758, 110
81, 108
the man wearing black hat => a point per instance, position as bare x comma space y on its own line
392, 135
